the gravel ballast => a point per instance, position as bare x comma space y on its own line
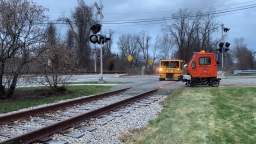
108, 128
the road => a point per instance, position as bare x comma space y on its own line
239, 81
121, 79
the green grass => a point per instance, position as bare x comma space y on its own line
203, 116
72, 92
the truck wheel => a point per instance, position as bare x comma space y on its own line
161, 79
189, 84
215, 83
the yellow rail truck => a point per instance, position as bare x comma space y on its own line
170, 70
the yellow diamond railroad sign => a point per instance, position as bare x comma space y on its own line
130, 58
150, 61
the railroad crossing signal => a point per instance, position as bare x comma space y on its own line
227, 45
96, 28
221, 45
226, 29
97, 38
224, 47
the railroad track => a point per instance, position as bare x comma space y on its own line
49, 121
41, 110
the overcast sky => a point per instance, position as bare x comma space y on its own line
242, 23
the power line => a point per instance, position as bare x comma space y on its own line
168, 10
60, 12
177, 17
163, 19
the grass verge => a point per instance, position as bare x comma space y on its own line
39, 96
203, 115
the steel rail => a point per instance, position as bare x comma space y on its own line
37, 111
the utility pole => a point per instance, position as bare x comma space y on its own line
222, 54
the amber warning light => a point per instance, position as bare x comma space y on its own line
202, 51
160, 69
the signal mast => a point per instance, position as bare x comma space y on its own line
96, 37
223, 46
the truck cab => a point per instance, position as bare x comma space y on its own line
170, 70
203, 65
202, 70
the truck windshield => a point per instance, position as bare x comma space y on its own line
205, 61
170, 64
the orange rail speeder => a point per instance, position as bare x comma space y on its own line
202, 70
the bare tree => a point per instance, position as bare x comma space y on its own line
70, 40
155, 54
80, 24
128, 45
164, 44
192, 32
178, 32
143, 41
108, 57
244, 56
56, 61
20, 40
139, 47
208, 27
51, 37
229, 61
